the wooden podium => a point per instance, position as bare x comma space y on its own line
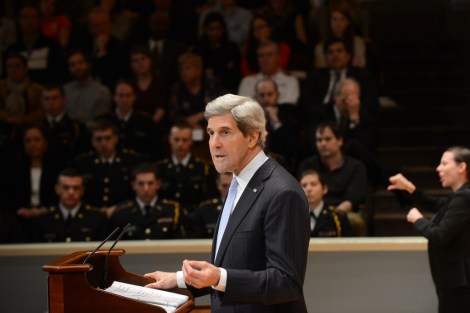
73, 286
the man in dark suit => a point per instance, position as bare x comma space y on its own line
319, 88
260, 245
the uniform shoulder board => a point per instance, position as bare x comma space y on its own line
164, 161
209, 202
92, 208
331, 208
85, 155
171, 202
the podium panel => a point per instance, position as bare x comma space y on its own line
74, 287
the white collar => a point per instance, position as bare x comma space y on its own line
183, 162
65, 212
249, 171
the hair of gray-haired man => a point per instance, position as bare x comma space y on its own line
247, 113
345, 81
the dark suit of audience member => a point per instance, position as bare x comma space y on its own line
66, 137
165, 51
319, 88
45, 61
136, 130
221, 57
109, 56
89, 224
282, 124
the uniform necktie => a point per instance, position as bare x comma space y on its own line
68, 220
147, 209
232, 192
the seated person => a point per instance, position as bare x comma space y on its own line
325, 220
268, 60
70, 219
345, 176
149, 215
208, 211
107, 168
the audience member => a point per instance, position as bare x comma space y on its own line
237, 20
341, 26
85, 97
345, 176
207, 213
123, 18
261, 29
136, 130
319, 87
325, 220
45, 63
221, 57
165, 51
54, 25
282, 124
67, 137
268, 59
289, 27
31, 178
106, 169
8, 36
20, 97
185, 178
190, 95
149, 215
152, 93
108, 55
70, 219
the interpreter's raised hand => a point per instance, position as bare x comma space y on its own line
163, 280
413, 215
400, 182
200, 274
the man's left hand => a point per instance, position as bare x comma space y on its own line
200, 274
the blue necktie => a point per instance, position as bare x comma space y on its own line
232, 192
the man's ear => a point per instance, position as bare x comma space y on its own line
253, 139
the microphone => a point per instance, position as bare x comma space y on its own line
100, 245
105, 268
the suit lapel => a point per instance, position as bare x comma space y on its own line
250, 194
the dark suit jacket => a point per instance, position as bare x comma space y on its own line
264, 247
316, 86
448, 235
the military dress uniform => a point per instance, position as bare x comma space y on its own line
89, 224
206, 218
137, 133
160, 221
189, 185
107, 184
67, 137
331, 223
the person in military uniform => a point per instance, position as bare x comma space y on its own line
71, 219
136, 130
67, 137
106, 170
150, 216
185, 178
208, 211
325, 220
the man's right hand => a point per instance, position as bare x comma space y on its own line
164, 280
